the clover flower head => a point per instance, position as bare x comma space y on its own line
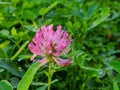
50, 45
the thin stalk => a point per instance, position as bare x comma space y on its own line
19, 51
50, 75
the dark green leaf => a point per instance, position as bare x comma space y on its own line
6, 65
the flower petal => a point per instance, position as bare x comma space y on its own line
48, 32
38, 38
66, 50
63, 42
34, 55
34, 49
43, 61
62, 62
58, 34
48, 42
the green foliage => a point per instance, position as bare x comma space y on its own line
115, 65
5, 85
28, 77
20, 50
6, 65
95, 49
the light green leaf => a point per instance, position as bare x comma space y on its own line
115, 85
14, 31
5, 85
5, 43
115, 65
15, 1
28, 77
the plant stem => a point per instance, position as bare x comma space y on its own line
50, 75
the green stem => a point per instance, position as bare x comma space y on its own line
19, 51
50, 75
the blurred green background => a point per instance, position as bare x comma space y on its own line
94, 27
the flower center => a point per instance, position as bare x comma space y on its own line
49, 57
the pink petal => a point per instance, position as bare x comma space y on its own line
65, 51
49, 42
60, 47
38, 43
50, 29
63, 38
57, 53
34, 55
48, 32
39, 37
34, 49
63, 43
43, 61
65, 35
58, 34
62, 62
36, 40
69, 40
44, 32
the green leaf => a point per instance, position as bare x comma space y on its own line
42, 88
3, 44
2, 54
28, 77
30, 28
115, 65
92, 10
15, 1
6, 65
117, 78
115, 85
14, 31
38, 83
69, 26
14, 82
1, 17
7, 50
105, 13
4, 33
5, 85
76, 25
4, 49
24, 57
43, 11
30, 14
54, 81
